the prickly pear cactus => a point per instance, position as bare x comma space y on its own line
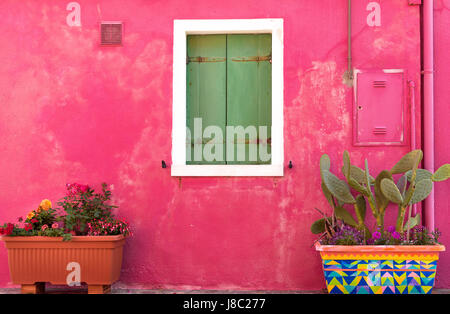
442, 174
337, 187
407, 162
422, 190
381, 200
344, 215
390, 191
421, 174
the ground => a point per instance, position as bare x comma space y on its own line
51, 290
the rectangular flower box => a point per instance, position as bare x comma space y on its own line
379, 269
35, 260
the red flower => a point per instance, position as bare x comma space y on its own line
2, 231
34, 220
28, 227
9, 229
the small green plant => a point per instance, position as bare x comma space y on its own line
85, 212
83, 205
413, 186
40, 222
422, 236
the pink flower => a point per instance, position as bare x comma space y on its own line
376, 235
44, 227
55, 225
76, 188
396, 235
83, 188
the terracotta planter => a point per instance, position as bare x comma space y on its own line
379, 269
36, 260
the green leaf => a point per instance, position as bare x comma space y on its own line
382, 201
347, 165
422, 190
407, 162
421, 174
344, 215
411, 223
359, 175
366, 172
358, 187
442, 174
337, 187
360, 208
390, 191
318, 226
328, 195
401, 185
67, 236
325, 162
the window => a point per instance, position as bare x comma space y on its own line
229, 101
228, 98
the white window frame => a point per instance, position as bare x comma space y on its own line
182, 28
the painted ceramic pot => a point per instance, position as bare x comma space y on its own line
379, 269
33, 261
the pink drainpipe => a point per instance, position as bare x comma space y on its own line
428, 111
412, 92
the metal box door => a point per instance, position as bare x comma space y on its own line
378, 115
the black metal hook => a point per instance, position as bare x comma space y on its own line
163, 164
290, 164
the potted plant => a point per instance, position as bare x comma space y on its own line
81, 241
398, 259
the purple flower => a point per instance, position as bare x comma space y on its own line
391, 229
345, 235
376, 235
396, 235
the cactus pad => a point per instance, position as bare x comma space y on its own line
390, 191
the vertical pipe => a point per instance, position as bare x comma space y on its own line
428, 112
412, 91
349, 40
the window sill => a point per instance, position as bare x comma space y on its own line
227, 170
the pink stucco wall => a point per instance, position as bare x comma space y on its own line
442, 122
72, 111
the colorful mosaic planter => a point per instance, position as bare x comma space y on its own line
379, 269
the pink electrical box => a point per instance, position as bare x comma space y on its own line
379, 102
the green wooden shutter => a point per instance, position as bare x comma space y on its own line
206, 88
229, 84
249, 89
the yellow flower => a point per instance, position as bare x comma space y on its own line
30, 215
45, 204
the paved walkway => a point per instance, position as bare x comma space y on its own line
50, 290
